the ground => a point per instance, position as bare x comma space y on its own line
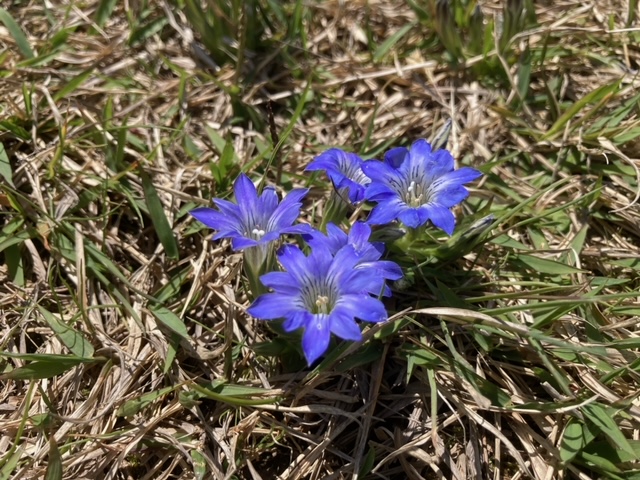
126, 351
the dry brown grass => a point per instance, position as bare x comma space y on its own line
487, 402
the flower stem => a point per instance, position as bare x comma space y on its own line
257, 260
335, 212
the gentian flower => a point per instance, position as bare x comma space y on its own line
345, 171
253, 221
416, 185
368, 253
322, 293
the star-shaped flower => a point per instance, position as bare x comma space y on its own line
324, 294
253, 220
416, 185
345, 171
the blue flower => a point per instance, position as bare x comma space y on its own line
324, 294
345, 171
416, 185
368, 253
255, 220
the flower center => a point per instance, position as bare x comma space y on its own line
319, 296
257, 233
322, 304
415, 195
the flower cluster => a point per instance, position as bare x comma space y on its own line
342, 277
413, 185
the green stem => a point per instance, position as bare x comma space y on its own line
335, 212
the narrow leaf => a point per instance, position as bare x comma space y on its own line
170, 320
547, 266
104, 10
72, 85
388, 44
158, 217
72, 339
602, 418
131, 407
43, 369
594, 96
5, 166
16, 32
54, 464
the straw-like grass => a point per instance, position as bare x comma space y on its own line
125, 348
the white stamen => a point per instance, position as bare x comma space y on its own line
321, 303
258, 233
415, 194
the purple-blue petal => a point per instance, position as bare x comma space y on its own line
228, 208
288, 211
268, 200
409, 216
271, 306
315, 339
240, 243
463, 175
442, 218
450, 195
296, 320
364, 307
386, 212
379, 171
281, 282
377, 191
396, 156
245, 191
213, 219
344, 326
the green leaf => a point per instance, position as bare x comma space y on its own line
13, 259
170, 320
131, 407
72, 339
200, 467
232, 400
54, 462
594, 96
158, 217
543, 265
10, 126
576, 436
104, 10
388, 44
602, 418
11, 462
5, 166
72, 84
48, 366
140, 34
16, 32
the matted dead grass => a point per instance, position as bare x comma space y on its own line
92, 259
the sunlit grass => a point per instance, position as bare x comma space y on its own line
126, 351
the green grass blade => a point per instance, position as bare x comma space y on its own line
104, 10
390, 42
16, 32
44, 369
5, 166
54, 462
170, 320
158, 217
596, 95
602, 418
72, 339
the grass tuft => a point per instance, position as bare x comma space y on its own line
125, 348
